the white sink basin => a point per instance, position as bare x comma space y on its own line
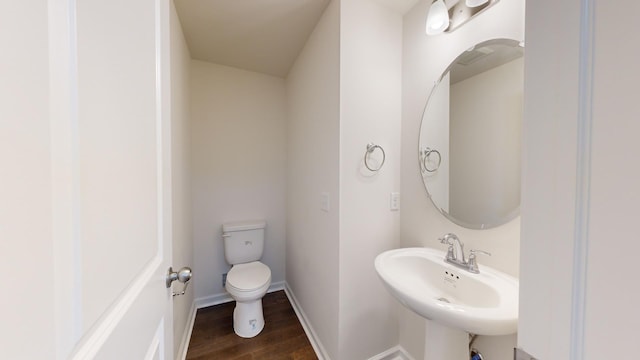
482, 304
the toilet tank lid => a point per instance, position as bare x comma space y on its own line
244, 225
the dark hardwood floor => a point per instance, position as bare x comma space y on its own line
281, 338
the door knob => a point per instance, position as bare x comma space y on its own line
183, 275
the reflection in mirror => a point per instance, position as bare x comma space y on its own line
470, 137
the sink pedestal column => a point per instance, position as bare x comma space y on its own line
445, 343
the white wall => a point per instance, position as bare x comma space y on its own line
557, 214
485, 179
613, 203
370, 84
313, 141
238, 166
424, 59
344, 92
26, 248
549, 179
180, 176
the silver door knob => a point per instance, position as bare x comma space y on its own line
183, 275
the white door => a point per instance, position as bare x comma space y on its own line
110, 146
84, 185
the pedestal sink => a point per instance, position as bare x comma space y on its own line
482, 304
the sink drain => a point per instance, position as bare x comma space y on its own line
444, 300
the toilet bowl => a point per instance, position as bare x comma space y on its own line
249, 279
247, 284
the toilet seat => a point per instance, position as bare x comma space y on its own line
249, 277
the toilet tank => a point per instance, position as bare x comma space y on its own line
243, 241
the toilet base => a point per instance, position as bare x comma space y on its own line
248, 320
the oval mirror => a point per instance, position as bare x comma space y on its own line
470, 137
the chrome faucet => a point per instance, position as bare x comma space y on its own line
455, 253
472, 264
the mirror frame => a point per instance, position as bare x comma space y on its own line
516, 211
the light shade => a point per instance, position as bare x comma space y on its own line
437, 18
474, 3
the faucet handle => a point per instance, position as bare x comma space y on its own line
445, 240
473, 252
472, 262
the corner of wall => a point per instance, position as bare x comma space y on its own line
312, 248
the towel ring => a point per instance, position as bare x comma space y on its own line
427, 153
371, 148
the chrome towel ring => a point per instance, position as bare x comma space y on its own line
371, 147
426, 153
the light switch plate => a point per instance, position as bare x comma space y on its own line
394, 201
324, 202
519, 354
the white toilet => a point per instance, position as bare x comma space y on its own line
248, 279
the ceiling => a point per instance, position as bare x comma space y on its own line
399, 6
264, 36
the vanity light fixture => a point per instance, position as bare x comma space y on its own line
448, 15
475, 3
437, 18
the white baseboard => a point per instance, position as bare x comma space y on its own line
395, 353
217, 299
321, 353
211, 300
184, 344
